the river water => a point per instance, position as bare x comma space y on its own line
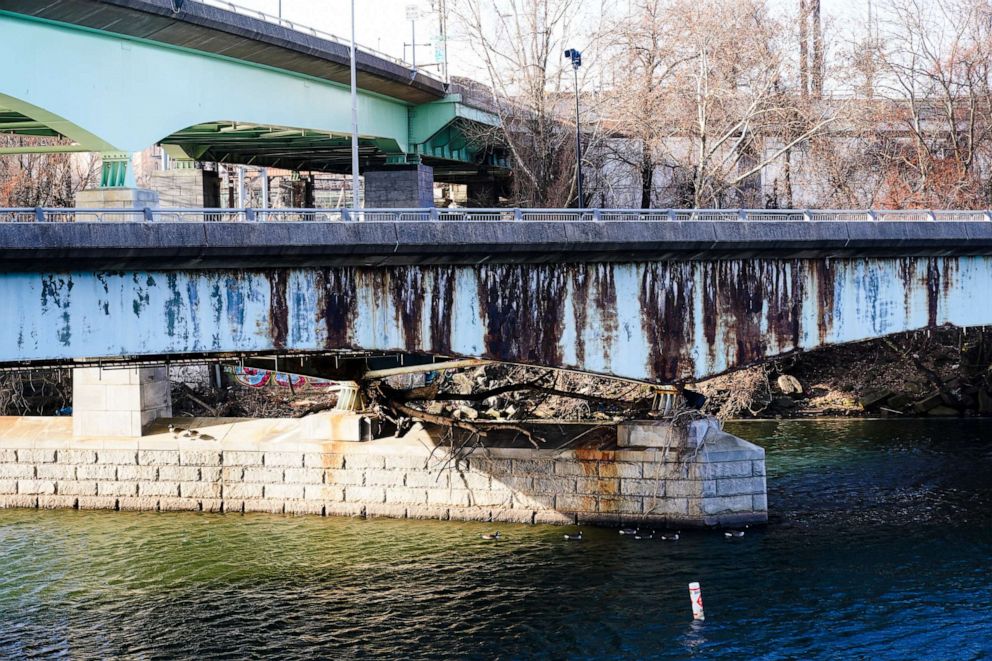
880, 546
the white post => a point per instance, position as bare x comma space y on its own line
265, 188
354, 117
696, 597
242, 198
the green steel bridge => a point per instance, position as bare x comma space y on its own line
212, 84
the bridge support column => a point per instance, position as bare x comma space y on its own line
118, 402
117, 198
721, 476
400, 187
186, 186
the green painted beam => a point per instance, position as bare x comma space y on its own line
45, 149
427, 119
112, 94
120, 94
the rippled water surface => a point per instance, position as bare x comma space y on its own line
880, 546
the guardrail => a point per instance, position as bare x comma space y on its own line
64, 215
306, 29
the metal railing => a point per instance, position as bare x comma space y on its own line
63, 215
306, 29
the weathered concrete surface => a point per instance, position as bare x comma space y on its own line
119, 402
268, 466
400, 187
117, 198
59, 246
660, 321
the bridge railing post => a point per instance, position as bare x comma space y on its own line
434, 214
807, 216
249, 215
518, 214
39, 214
147, 213
597, 215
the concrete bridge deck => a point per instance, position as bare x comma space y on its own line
195, 245
655, 301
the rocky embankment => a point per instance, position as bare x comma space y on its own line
939, 373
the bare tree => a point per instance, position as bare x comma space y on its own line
49, 180
735, 100
934, 77
520, 44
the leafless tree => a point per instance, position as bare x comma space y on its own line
520, 45
936, 101
49, 180
712, 90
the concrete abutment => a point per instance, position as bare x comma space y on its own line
272, 466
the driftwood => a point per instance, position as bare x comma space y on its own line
430, 393
394, 400
189, 394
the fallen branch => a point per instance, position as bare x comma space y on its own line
188, 393
387, 396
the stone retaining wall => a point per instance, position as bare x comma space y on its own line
723, 483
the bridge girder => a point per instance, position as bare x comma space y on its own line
117, 94
654, 321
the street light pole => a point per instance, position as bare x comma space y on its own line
354, 117
576, 58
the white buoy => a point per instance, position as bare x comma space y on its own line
696, 597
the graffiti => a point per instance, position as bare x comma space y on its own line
255, 377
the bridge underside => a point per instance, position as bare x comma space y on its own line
653, 321
114, 93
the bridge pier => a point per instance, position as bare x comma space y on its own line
118, 402
187, 186
400, 187
117, 198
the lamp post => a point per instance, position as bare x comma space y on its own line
576, 58
354, 118
412, 13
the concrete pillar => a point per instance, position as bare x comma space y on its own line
118, 402
117, 198
721, 476
186, 187
400, 187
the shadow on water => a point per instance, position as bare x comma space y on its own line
880, 547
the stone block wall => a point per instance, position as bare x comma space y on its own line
721, 483
119, 402
186, 188
400, 187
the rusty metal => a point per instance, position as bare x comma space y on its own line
663, 322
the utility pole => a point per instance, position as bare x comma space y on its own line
576, 58
354, 117
411, 15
